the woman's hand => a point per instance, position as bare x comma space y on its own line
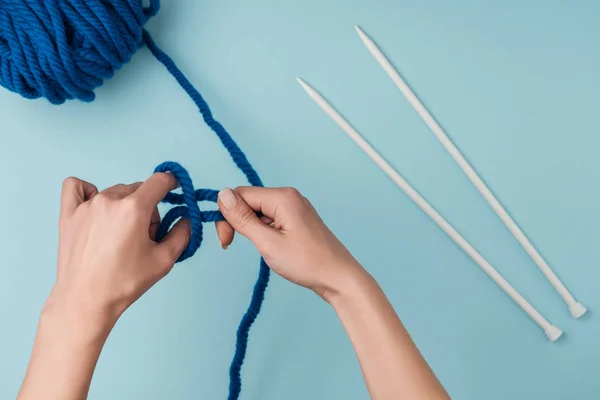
298, 246
107, 259
107, 256
291, 236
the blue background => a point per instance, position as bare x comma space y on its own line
516, 85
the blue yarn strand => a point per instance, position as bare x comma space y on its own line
237, 155
62, 50
241, 345
187, 207
239, 158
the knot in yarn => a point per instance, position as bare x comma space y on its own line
187, 207
64, 49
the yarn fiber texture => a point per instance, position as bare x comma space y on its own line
64, 49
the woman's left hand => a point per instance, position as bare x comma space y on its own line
107, 256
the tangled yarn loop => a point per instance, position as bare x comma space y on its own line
187, 207
64, 49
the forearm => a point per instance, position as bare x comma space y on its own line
66, 349
391, 363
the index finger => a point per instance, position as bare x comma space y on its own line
74, 193
151, 192
268, 201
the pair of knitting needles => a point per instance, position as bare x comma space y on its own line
576, 308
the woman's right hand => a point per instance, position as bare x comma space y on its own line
297, 245
290, 236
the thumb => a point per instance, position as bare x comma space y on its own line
171, 247
244, 219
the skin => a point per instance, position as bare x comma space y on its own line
107, 259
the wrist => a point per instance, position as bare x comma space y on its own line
77, 318
347, 285
68, 343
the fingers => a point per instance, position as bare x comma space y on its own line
121, 191
260, 199
134, 186
171, 247
151, 192
243, 218
225, 233
273, 203
267, 220
154, 224
75, 192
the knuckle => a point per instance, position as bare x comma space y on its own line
163, 259
70, 182
131, 205
245, 217
165, 262
169, 259
102, 200
307, 203
291, 192
163, 270
292, 197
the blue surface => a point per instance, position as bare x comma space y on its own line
516, 86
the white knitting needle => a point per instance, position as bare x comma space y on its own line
577, 309
552, 332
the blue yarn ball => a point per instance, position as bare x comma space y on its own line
64, 49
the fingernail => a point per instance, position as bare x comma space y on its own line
227, 198
224, 247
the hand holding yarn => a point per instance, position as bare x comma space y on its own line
294, 241
107, 254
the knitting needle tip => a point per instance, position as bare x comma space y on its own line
363, 36
304, 85
308, 89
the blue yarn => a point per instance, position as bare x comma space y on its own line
64, 49
188, 208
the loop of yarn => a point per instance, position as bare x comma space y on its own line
64, 49
188, 208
